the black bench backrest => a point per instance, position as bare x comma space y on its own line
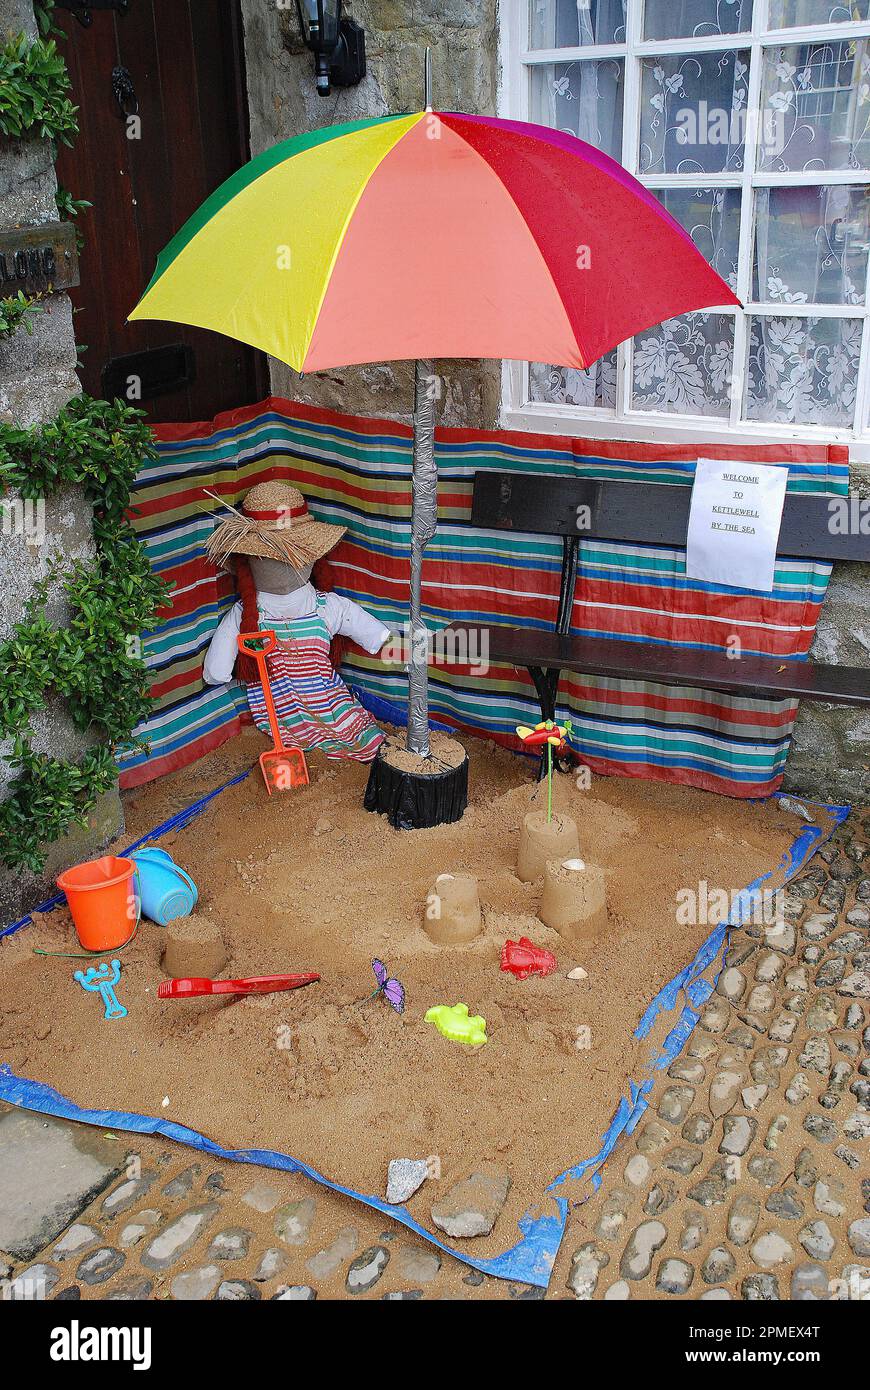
645, 513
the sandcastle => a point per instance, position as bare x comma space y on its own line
542, 839
573, 901
194, 948
452, 914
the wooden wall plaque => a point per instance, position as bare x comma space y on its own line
38, 259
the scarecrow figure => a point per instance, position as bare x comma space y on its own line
272, 545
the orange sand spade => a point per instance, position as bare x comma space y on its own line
284, 766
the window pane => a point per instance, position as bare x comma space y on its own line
693, 113
815, 107
811, 244
566, 386
683, 366
786, 13
574, 23
678, 19
803, 371
582, 98
711, 216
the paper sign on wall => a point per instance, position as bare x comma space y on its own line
734, 521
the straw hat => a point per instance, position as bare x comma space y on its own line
274, 522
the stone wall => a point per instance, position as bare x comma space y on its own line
831, 747
284, 102
37, 376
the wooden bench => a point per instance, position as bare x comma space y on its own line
648, 514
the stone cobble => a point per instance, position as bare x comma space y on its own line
741, 1181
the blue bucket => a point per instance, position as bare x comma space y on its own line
166, 891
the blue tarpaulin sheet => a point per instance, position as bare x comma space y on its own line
530, 1260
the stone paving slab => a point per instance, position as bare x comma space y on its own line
747, 1178
50, 1171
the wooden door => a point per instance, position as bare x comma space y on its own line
185, 59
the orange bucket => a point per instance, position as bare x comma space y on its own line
102, 901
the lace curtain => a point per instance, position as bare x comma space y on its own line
582, 98
575, 23
677, 19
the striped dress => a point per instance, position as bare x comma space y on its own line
314, 706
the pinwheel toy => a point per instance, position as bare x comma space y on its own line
547, 735
541, 734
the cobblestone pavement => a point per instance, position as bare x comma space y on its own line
747, 1177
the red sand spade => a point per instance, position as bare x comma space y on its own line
194, 987
284, 766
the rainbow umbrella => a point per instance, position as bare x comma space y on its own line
425, 236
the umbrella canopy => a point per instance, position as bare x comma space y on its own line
431, 235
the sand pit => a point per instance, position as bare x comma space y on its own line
309, 881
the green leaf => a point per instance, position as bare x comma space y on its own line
101, 446
34, 89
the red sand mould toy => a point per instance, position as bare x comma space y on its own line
523, 959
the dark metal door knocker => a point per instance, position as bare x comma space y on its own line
124, 92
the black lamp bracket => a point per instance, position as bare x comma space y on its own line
347, 66
82, 8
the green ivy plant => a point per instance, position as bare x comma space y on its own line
93, 662
99, 444
34, 91
69, 209
48, 793
18, 310
44, 12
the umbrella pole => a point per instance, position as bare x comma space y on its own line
414, 799
424, 519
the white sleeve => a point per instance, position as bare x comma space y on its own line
346, 619
223, 649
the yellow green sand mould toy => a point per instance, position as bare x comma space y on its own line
454, 1023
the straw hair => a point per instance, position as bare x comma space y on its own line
287, 532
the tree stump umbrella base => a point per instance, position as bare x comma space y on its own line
415, 800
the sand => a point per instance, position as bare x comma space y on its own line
309, 881
444, 753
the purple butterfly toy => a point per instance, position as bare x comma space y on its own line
392, 991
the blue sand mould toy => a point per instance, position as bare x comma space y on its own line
102, 980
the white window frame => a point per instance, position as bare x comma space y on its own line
519, 412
